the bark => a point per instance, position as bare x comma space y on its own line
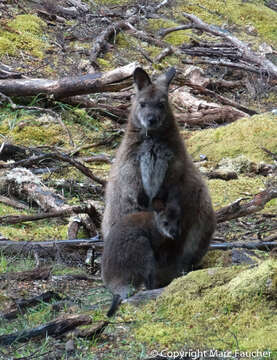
209, 117
69, 86
22, 183
53, 328
14, 203
198, 112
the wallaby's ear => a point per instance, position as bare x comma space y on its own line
158, 205
167, 77
141, 78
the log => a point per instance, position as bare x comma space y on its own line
53, 328
61, 250
22, 183
21, 305
68, 86
39, 273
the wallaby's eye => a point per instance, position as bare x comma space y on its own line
165, 223
142, 104
161, 104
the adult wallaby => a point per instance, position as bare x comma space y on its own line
152, 160
131, 255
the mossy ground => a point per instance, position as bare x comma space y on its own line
24, 32
246, 136
216, 308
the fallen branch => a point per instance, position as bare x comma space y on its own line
255, 245
21, 305
14, 203
100, 43
69, 86
236, 209
53, 328
265, 66
55, 156
68, 211
39, 273
22, 183
221, 98
91, 332
208, 117
62, 250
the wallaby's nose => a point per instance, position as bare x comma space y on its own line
151, 120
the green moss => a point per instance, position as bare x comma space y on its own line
175, 38
38, 230
27, 34
219, 308
218, 12
245, 136
223, 193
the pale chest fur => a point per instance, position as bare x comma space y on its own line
154, 159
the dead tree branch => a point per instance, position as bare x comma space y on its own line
21, 305
100, 43
53, 328
264, 65
236, 209
69, 86
76, 209
55, 156
253, 245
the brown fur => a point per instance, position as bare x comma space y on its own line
126, 193
131, 251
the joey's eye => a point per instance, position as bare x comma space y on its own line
142, 104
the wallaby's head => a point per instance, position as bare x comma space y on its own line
150, 109
167, 218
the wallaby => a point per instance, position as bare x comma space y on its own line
131, 252
151, 160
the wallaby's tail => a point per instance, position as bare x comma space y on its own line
115, 302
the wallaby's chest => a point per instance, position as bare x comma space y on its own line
154, 159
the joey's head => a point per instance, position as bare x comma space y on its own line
150, 108
167, 219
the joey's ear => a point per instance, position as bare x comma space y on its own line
141, 78
158, 205
167, 77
